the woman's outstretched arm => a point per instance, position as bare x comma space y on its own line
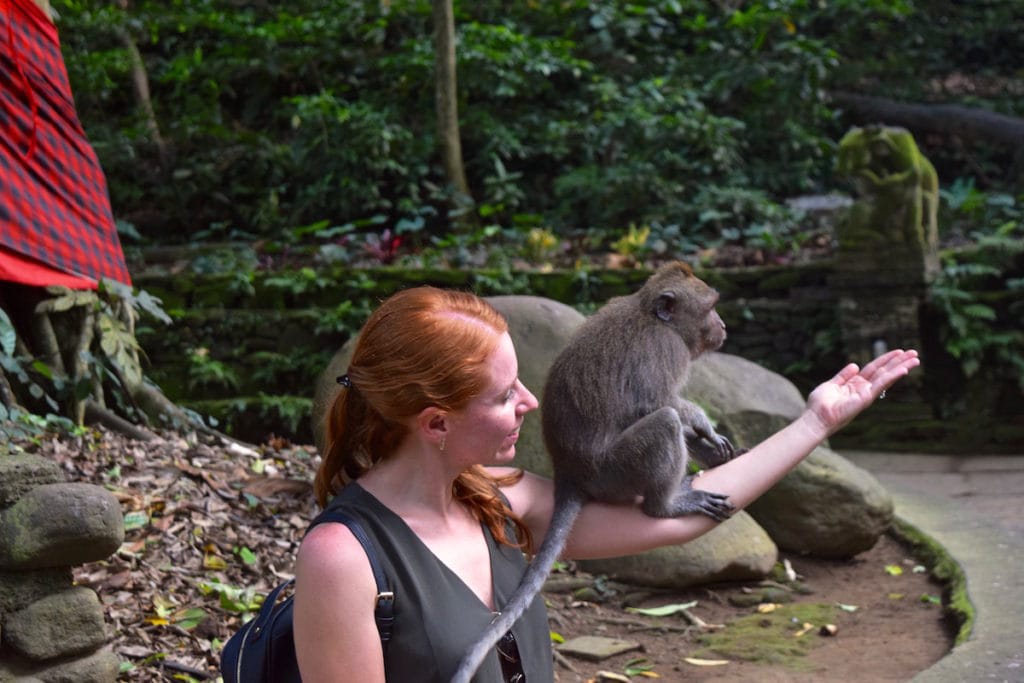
613, 530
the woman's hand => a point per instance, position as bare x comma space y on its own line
835, 402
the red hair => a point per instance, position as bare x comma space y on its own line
422, 347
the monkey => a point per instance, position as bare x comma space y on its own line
615, 425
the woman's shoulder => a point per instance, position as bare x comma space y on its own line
330, 549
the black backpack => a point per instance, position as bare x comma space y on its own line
263, 650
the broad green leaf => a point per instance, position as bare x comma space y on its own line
136, 519
980, 311
248, 556
8, 337
189, 618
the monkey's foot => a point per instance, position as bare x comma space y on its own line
697, 501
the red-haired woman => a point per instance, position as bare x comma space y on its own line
418, 443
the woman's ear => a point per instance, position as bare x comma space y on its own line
432, 424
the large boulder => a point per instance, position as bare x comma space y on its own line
736, 550
60, 625
747, 402
57, 525
826, 506
539, 329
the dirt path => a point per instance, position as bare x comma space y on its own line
895, 631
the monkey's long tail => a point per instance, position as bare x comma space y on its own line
568, 504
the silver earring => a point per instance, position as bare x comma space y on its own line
443, 443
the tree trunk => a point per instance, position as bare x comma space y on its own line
446, 102
140, 87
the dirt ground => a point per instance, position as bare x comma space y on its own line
210, 526
895, 632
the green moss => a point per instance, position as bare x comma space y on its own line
770, 638
782, 280
945, 569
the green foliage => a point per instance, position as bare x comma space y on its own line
634, 242
981, 291
541, 245
288, 410
298, 282
205, 372
111, 360
8, 336
346, 318
599, 113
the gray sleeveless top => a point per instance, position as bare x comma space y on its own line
437, 616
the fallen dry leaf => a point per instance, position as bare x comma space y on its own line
705, 662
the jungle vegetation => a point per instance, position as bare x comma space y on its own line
406, 131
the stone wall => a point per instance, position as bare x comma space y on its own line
51, 630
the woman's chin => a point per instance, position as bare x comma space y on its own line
505, 455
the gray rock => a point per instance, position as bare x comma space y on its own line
748, 402
540, 328
100, 667
19, 589
21, 473
735, 550
60, 524
60, 625
327, 388
826, 506
597, 648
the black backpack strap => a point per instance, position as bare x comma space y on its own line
384, 612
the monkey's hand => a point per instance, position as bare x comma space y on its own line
709, 447
714, 505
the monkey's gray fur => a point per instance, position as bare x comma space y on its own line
616, 426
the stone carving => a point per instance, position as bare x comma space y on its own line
898, 193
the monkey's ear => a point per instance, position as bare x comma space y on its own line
665, 306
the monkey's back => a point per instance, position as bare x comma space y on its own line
620, 365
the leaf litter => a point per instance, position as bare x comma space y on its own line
206, 537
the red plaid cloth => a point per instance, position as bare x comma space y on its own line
54, 206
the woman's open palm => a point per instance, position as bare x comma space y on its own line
853, 389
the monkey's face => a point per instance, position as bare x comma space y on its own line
712, 330
688, 305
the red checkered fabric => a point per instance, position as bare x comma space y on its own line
54, 205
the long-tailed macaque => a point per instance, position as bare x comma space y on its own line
616, 426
